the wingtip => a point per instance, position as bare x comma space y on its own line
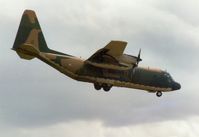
119, 41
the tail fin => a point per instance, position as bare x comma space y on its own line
30, 40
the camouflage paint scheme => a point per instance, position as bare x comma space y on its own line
106, 68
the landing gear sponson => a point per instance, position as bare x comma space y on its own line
107, 88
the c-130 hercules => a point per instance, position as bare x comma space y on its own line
106, 68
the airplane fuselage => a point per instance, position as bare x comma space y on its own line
151, 80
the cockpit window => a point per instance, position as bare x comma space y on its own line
168, 76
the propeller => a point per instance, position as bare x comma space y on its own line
138, 58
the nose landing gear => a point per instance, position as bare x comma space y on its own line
158, 93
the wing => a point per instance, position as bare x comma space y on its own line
111, 56
116, 48
109, 53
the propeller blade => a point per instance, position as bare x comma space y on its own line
138, 57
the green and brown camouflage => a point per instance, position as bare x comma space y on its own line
106, 68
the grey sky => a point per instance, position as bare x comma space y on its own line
37, 100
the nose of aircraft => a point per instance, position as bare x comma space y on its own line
176, 86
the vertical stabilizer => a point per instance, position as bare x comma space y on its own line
29, 40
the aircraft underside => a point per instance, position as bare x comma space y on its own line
106, 84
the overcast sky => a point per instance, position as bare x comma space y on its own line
37, 100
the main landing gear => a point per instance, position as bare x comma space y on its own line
105, 86
158, 93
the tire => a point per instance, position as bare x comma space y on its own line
106, 87
97, 86
159, 94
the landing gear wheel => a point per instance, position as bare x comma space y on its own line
106, 87
97, 86
159, 94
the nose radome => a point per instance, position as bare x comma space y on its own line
176, 86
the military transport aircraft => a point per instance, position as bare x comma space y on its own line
106, 68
